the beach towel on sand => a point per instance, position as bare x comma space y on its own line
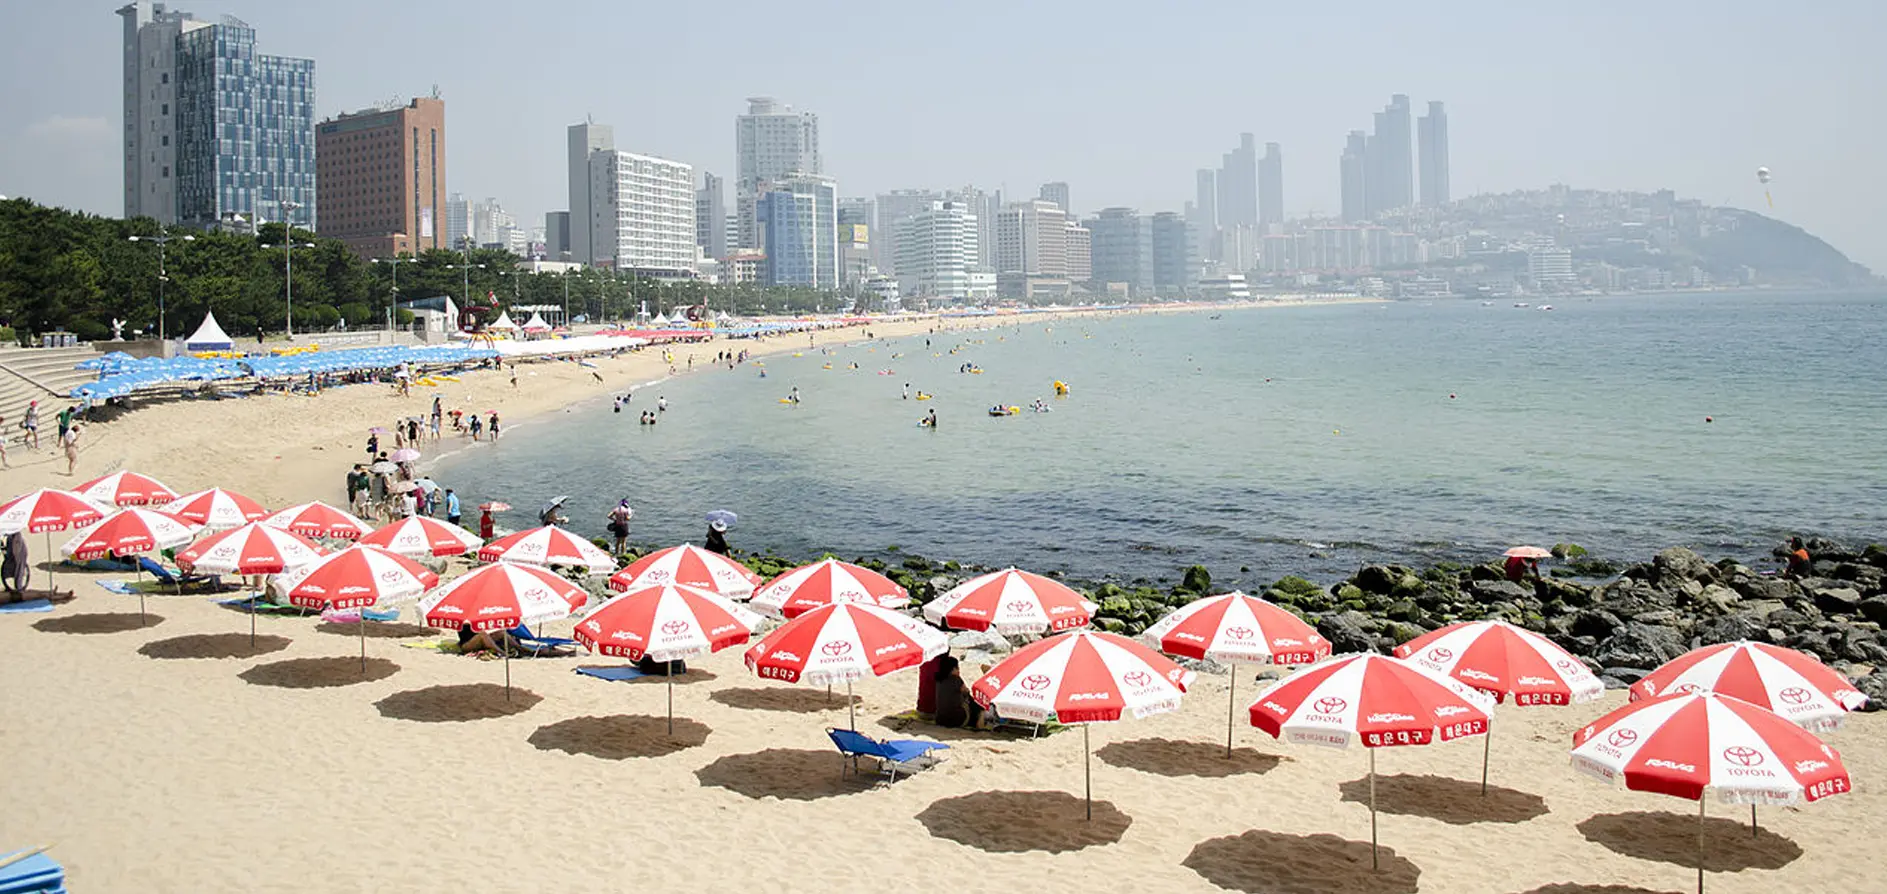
446, 645
30, 605
619, 672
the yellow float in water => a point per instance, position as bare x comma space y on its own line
1061, 388
827, 366
922, 396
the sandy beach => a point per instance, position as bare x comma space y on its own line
176, 757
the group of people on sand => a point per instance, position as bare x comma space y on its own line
68, 438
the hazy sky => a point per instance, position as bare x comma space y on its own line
1120, 100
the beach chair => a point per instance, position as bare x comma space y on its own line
538, 645
170, 578
909, 755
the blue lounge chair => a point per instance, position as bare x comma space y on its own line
910, 755
538, 645
170, 578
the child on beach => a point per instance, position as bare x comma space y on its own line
70, 441
478, 426
494, 425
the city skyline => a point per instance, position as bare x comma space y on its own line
1523, 115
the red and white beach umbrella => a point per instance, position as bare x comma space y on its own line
128, 532
842, 642
501, 596
690, 566
355, 578
1374, 698
48, 509
419, 536
549, 545
1688, 744
126, 489
216, 508
1794, 684
254, 548
1011, 602
1082, 676
318, 519
1502, 660
1235, 628
826, 582
665, 623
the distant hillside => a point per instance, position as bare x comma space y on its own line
1777, 250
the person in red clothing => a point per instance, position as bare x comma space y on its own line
1519, 567
485, 524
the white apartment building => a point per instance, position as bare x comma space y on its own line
771, 141
1032, 238
642, 213
937, 252
1080, 253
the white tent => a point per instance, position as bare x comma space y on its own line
536, 321
503, 322
659, 322
209, 336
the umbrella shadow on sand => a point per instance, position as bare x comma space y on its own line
620, 737
780, 698
1176, 757
785, 773
1457, 802
98, 622
319, 673
377, 630
456, 704
1276, 863
213, 645
1016, 822
1672, 838
694, 675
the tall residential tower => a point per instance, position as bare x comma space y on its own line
1432, 134
383, 178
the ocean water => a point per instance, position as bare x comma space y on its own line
1260, 442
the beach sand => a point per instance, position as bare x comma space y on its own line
175, 757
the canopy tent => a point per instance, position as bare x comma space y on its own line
503, 322
209, 336
660, 322
536, 322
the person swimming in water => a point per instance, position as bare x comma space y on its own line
907, 391
929, 420
794, 397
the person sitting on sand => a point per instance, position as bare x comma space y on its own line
955, 708
497, 642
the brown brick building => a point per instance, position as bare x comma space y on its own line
381, 184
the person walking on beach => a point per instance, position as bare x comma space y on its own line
514, 376
452, 507
373, 444
31, 423
65, 421
70, 441
478, 426
619, 524
494, 425
356, 484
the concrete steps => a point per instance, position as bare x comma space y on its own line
43, 374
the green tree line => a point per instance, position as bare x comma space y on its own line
63, 270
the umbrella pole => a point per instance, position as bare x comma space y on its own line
1700, 842
252, 617
52, 585
1087, 771
363, 639
1231, 710
851, 706
1752, 821
1374, 863
507, 651
1487, 745
668, 670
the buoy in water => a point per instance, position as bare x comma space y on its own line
1708, 419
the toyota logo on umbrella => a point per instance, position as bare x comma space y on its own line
675, 628
1019, 606
1622, 738
1330, 704
1742, 755
1440, 655
1238, 633
1137, 679
1034, 682
836, 648
1796, 695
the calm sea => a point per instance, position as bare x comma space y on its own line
1262, 441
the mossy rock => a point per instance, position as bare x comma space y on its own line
1197, 580
1402, 633
1349, 592
1404, 610
952, 566
1293, 584
1111, 625
1355, 605
1408, 586
916, 563
1117, 606
1568, 551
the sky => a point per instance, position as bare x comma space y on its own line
1122, 102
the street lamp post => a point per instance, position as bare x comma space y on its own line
395, 298
288, 263
162, 239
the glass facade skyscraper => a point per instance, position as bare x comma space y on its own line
245, 129
797, 218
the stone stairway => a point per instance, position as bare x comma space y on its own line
43, 374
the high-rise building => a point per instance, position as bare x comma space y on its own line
1238, 184
771, 142
1031, 249
711, 217
490, 225
1121, 250
1389, 178
1057, 192
1432, 134
1271, 186
458, 221
1353, 170
796, 220
642, 213
893, 208
1202, 213
1080, 251
986, 206
383, 178
937, 252
556, 235
1173, 255
586, 139
858, 217
213, 128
